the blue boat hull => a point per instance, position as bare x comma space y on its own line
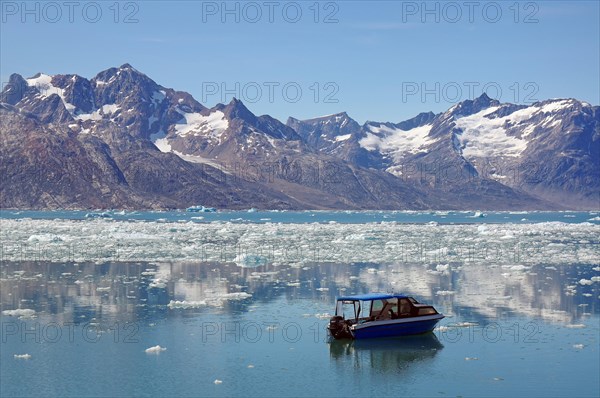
393, 329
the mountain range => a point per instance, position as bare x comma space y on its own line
120, 140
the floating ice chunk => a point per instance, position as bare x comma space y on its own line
103, 289
21, 313
217, 381
186, 304
595, 279
235, 296
324, 315
149, 272
22, 356
471, 359
465, 324
585, 282
575, 326
518, 268
578, 346
444, 292
250, 260
157, 349
250, 366
158, 284
442, 267
322, 289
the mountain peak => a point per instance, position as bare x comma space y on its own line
483, 97
469, 107
236, 110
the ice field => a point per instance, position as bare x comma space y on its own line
238, 307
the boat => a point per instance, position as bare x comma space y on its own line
374, 315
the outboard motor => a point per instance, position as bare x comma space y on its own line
339, 328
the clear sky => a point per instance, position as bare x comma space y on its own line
376, 60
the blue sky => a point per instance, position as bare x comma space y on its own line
377, 60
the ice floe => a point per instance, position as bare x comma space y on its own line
157, 349
247, 244
22, 356
21, 313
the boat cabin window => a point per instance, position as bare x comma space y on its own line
347, 309
384, 309
376, 307
427, 311
405, 307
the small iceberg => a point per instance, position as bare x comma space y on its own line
21, 313
250, 260
97, 215
158, 283
201, 209
22, 356
157, 349
186, 304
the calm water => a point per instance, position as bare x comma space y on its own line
261, 217
230, 330
93, 324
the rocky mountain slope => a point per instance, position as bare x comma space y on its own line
120, 140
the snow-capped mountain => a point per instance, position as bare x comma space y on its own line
122, 140
550, 149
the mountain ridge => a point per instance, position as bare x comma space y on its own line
377, 165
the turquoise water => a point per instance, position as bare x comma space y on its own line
261, 217
225, 329
87, 340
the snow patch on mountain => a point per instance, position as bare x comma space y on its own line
163, 144
197, 124
43, 84
483, 136
158, 96
557, 105
98, 114
397, 142
344, 137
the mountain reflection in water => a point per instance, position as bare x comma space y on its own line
141, 290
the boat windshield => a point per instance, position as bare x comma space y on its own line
348, 309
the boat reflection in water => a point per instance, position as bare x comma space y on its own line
386, 354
